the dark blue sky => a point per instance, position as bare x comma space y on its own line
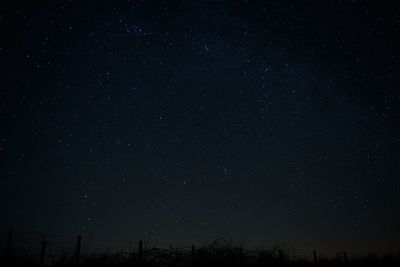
185, 121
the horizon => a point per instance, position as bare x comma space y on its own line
31, 241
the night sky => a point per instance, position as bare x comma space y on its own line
183, 121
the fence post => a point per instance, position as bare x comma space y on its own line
193, 254
345, 256
42, 253
8, 252
280, 256
315, 256
9, 242
140, 252
193, 251
241, 256
78, 249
